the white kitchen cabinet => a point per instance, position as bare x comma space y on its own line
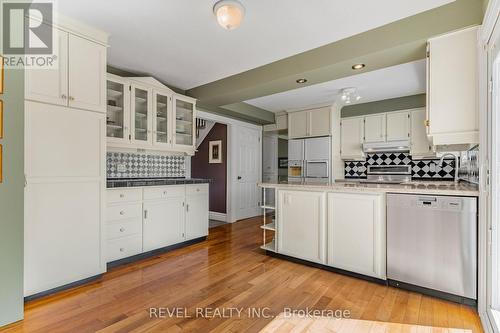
375, 128
281, 122
159, 216
50, 85
86, 74
302, 225
319, 122
162, 129
163, 223
141, 115
420, 144
196, 211
154, 117
452, 95
64, 195
352, 138
118, 110
309, 123
79, 79
398, 126
356, 233
184, 122
297, 125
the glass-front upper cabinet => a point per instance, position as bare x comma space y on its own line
141, 114
118, 112
184, 111
161, 123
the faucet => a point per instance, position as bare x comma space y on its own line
456, 163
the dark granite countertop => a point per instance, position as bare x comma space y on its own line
139, 182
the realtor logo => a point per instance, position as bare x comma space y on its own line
27, 28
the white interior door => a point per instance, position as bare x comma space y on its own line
247, 151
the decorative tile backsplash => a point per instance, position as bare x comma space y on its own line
136, 165
355, 169
421, 168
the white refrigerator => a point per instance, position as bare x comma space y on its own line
309, 159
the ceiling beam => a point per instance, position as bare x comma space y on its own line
241, 111
392, 44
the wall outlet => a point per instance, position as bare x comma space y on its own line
120, 167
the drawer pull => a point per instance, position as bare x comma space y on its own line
164, 192
122, 195
122, 229
122, 213
122, 249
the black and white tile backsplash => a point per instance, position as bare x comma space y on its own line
136, 165
355, 169
421, 168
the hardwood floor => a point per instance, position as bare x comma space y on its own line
227, 271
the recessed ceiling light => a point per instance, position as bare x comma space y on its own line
229, 13
300, 81
358, 66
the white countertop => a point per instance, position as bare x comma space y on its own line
415, 187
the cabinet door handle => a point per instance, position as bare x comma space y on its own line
71, 98
122, 195
145, 214
122, 249
122, 229
187, 207
63, 96
122, 213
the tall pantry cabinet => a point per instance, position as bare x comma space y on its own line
65, 147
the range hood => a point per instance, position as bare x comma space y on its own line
402, 146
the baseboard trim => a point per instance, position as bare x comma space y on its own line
62, 288
217, 216
327, 268
153, 253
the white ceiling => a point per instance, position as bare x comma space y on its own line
391, 82
179, 41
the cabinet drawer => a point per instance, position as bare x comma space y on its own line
123, 195
164, 192
124, 228
123, 212
196, 189
124, 247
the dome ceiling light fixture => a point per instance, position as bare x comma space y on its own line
229, 13
349, 95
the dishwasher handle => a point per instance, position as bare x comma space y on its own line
427, 202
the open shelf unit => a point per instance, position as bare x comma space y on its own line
268, 219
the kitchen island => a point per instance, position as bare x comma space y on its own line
339, 225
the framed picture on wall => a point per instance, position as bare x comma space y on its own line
215, 152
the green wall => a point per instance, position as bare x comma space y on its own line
12, 200
387, 105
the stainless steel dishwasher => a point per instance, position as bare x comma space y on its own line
432, 243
